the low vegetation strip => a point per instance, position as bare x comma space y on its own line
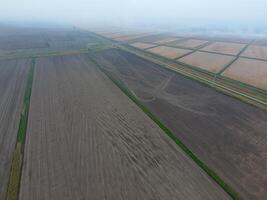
250, 96
16, 166
227, 188
194, 76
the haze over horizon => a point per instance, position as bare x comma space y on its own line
168, 13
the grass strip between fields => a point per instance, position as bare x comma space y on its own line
163, 62
211, 83
226, 187
13, 187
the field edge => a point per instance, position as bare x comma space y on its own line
13, 187
210, 172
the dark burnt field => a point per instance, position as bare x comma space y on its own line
227, 134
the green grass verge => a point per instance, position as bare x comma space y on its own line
24, 115
12, 192
226, 187
15, 174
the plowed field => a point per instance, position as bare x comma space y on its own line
87, 140
13, 76
230, 136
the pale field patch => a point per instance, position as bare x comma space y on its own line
207, 61
224, 47
252, 72
169, 52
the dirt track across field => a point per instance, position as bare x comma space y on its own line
87, 140
13, 76
228, 135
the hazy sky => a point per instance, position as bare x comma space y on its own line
130, 11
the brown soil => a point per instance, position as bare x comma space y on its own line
191, 43
256, 51
168, 52
13, 76
167, 40
228, 135
224, 47
142, 45
252, 72
18, 38
87, 140
208, 61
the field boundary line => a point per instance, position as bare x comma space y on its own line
236, 58
158, 60
201, 79
44, 54
161, 62
210, 172
14, 181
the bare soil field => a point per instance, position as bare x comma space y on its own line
13, 76
130, 37
224, 47
228, 135
190, 43
142, 45
80, 43
207, 61
256, 51
121, 34
249, 71
229, 38
87, 140
167, 40
152, 38
114, 35
168, 52
21, 42
63, 34
17, 38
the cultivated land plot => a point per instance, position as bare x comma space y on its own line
224, 47
130, 37
167, 40
234, 39
249, 71
13, 39
21, 42
152, 38
169, 52
87, 140
118, 34
142, 45
13, 76
63, 34
228, 135
256, 51
207, 61
190, 43
262, 41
